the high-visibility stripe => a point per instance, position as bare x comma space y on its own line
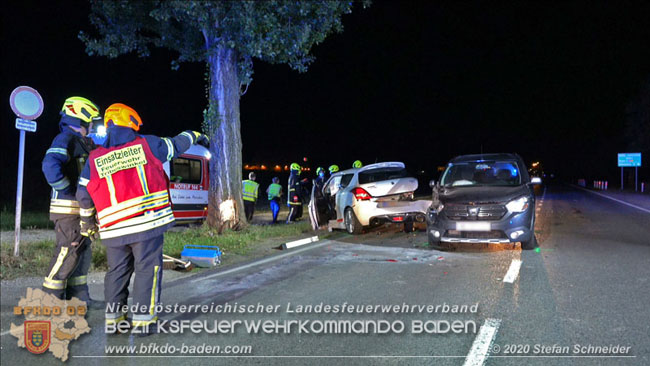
143, 179
189, 136
60, 184
138, 322
64, 210
170, 148
53, 284
64, 203
87, 212
111, 189
59, 262
142, 200
77, 281
115, 218
83, 181
113, 318
138, 224
154, 291
57, 150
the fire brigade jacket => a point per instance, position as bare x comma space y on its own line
294, 197
61, 166
125, 183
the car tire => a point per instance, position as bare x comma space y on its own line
352, 225
408, 227
530, 244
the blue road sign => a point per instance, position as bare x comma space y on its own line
629, 159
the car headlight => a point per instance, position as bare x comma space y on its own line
518, 205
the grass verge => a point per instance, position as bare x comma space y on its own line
253, 241
29, 220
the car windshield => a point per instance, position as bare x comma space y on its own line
380, 174
482, 173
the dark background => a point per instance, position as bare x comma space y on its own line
409, 81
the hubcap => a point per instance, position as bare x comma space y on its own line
349, 221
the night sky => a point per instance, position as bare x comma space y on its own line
409, 81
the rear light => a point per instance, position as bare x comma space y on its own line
398, 218
360, 194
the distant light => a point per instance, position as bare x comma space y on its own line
304, 159
101, 131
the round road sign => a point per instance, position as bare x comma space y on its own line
26, 102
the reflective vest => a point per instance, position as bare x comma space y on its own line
129, 188
249, 190
274, 191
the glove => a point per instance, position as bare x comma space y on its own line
89, 228
201, 139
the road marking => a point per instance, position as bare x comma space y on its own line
513, 271
482, 343
614, 199
263, 261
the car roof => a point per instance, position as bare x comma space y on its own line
479, 157
387, 164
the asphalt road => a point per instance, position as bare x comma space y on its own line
587, 285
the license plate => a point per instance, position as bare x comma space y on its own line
473, 226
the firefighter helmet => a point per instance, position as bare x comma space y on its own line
333, 169
295, 166
357, 164
81, 108
319, 169
122, 115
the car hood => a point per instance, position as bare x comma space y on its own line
483, 194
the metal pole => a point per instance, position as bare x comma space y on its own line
621, 178
19, 191
636, 178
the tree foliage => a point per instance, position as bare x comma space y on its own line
272, 31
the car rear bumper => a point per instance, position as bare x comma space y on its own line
513, 227
370, 212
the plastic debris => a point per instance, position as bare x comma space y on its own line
441, 258
391, 260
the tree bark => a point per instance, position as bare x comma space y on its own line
223, 127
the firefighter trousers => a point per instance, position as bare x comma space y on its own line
295, 212
145, 259
68, 270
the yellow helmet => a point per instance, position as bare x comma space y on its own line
333, 168
122, 115
295, 166
81, 108
357, 164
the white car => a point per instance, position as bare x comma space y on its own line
369, 196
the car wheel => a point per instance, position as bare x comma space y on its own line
352, 225
530, 244
408, 227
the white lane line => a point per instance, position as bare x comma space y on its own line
482, 343
5, 332
513, 271
614, 199
263, 261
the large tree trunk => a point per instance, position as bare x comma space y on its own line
223, 127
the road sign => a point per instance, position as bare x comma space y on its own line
629, 159
26, 102
25, 125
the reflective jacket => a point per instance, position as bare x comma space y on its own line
274, 191
294, 196
125, 182
250, 190
61, 166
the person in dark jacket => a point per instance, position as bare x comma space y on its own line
62, 164
125, 182
294, 194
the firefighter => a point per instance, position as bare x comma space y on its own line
319, 182
274, 192
294, 195
62, 164
125, 182
333, 169
250, 190
357, 164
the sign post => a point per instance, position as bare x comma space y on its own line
630, 160
27, 104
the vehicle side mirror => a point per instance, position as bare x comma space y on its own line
432, 183
535, 180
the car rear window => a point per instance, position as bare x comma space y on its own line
380, 174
